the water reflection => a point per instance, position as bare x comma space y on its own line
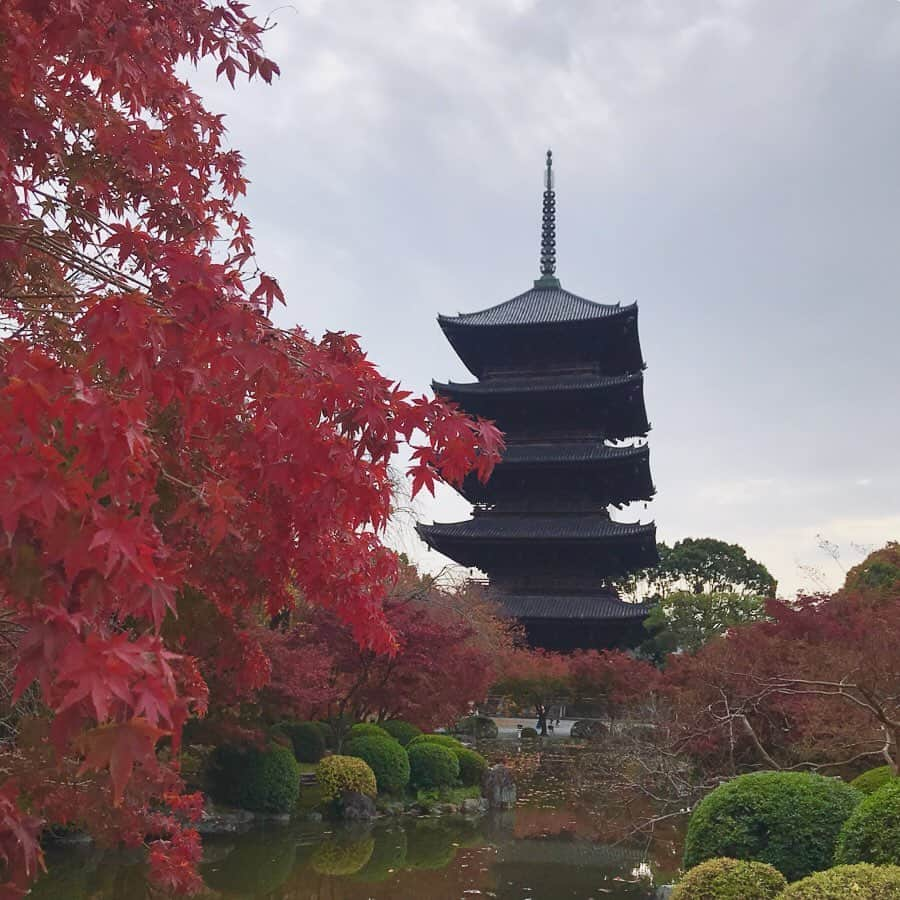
401, 859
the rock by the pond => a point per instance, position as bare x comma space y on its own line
224, 821
498, 787
357, 807
473, 806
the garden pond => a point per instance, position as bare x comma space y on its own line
563, 840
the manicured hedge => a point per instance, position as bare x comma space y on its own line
444, 740
870, 781
337, 774
790, 820
471, 766
528, 732
730, 879
859, 882
306, 739
260, 780
327, 732
401, 731
366, 729
432, 766
478, 727
872, 833
386, 758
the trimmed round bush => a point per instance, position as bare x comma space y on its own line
730, 879
870, 781
478, 727
306, 739
859, 882
790, 820
472, 766
432, 766
401, 731
337, 774
386, 758
327, 732
444, 740
528, 732
366, 729
872, 833
587, 729
259, 780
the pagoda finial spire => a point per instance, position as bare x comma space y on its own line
548, 277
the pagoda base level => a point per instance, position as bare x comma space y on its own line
566, 635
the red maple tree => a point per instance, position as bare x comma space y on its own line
160, 440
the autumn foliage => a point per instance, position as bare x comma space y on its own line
164, 450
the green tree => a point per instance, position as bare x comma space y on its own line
702, 566
686, 621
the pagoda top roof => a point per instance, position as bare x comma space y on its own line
537, 384
538, 306
544, 528
569, 452
572, 606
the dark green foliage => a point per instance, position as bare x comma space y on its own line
872, 833
528, 732
401, 731
386, 758
860, 882
730, 879
870, 781
432, 766
306, 739
788, 819
471, 766
327, 732
259, 780
587, 729
366, 729
444, 740
477, 727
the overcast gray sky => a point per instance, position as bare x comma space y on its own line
730, 164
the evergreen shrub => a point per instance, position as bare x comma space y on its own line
870, 781
472, 766
444, 740
859, 882
790, 820
478, 727
730, 879
367, 729
259, 780
386, 758
337, 774
872, 833
307, 740
401, 731
327, 732
529, 733
432, 765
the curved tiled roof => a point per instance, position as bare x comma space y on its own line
537, 384
576, 452
549, 528
539, 306
572, 606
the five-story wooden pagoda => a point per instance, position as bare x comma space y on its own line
562, 376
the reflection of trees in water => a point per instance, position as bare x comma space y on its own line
259, 863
